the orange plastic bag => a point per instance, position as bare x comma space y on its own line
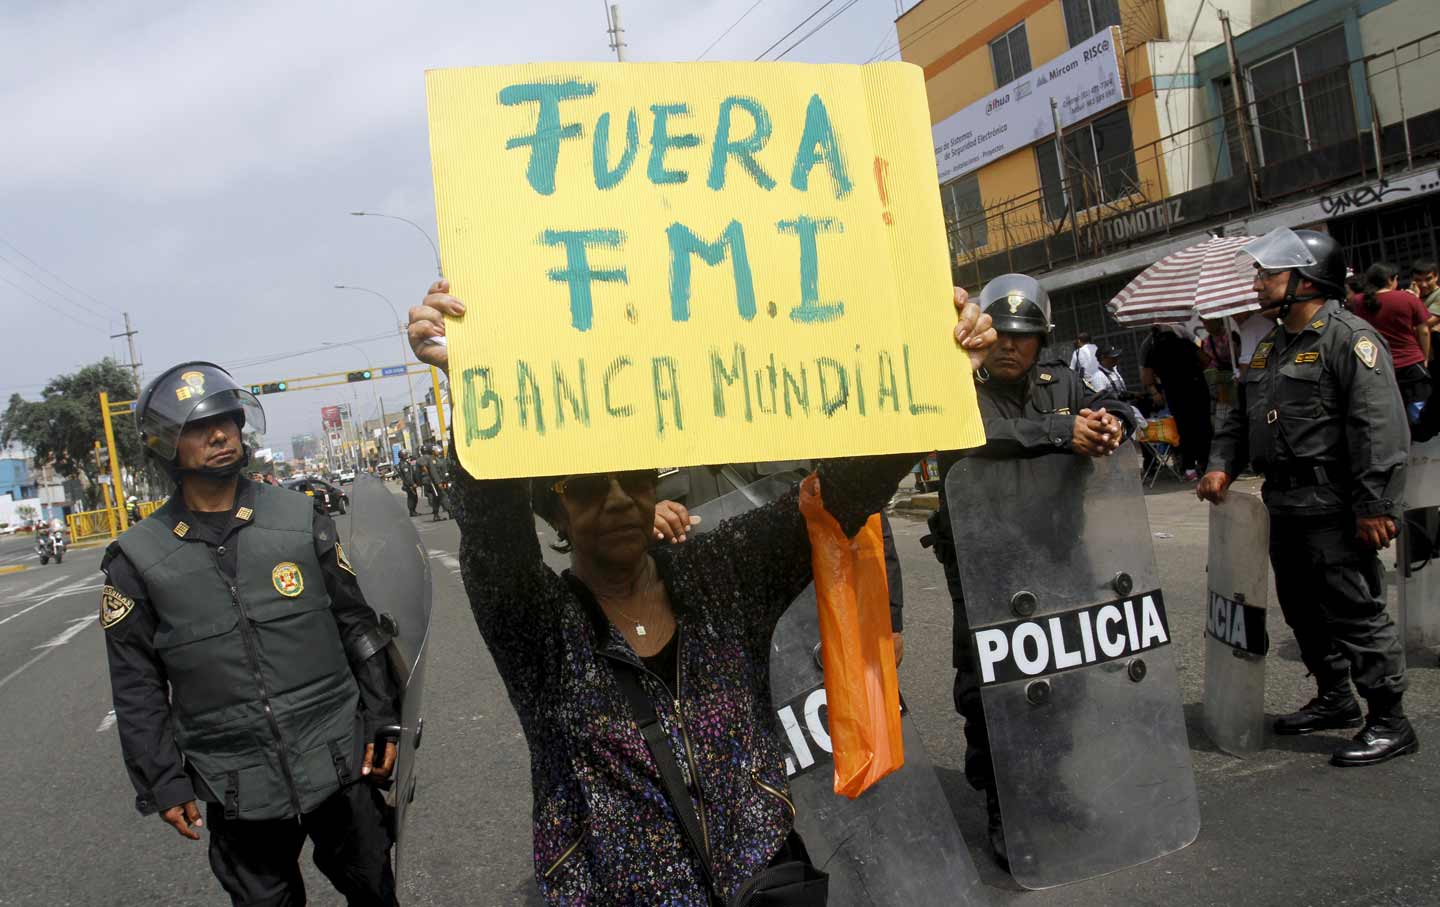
861, 691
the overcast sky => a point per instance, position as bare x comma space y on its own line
194, 163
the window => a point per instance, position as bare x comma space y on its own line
1099, 165
1083, 18
964, 214
1010, 54
1302, 98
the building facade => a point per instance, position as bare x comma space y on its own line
1081, 140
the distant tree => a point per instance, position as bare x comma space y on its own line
64, 424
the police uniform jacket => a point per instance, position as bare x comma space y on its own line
245, 664
1320, 415
408, 476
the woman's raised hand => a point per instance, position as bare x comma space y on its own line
427, 325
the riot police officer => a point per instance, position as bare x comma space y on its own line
246, 667
1320, 415
432, 475
1031, 405
410, 481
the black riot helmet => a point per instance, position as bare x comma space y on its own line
1307, 254
190, 392
1017, 304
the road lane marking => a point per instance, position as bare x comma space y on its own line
77, 626
45, 585
63, 593
106, 723
14, 568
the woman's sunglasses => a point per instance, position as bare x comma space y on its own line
592, 488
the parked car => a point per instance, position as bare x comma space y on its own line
347, 476
385, 470
328, 498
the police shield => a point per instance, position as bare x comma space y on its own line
1417, 551
1078, 679
394, 574
895, 844
1238, 581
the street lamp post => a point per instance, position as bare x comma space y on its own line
423, 232
440, 272
404, 357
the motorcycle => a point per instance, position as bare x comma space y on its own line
50, 544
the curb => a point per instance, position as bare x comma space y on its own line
919, 503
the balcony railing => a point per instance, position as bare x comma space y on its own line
1305, 136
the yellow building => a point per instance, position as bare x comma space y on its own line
1321, 113
1111, 153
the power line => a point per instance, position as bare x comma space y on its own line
46, 286
806, 37
728, 30
792, 31
940, 18
51, 307
268, 358
57, 276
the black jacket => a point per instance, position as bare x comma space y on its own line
138, 678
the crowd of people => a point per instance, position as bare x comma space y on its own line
640, 675
1192, 375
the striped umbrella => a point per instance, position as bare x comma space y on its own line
1202, 279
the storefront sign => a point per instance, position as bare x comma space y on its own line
1085, 80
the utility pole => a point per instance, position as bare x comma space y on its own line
616, 33
129, 335
1241, 120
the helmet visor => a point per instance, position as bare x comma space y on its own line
1017, 304
1278, 250
163, 426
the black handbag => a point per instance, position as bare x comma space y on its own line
790, 881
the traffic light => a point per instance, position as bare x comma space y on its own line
272, 388
358, 376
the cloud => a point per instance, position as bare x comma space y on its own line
193, 163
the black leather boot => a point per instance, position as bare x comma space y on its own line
1381, 739
1333, 708
996, 829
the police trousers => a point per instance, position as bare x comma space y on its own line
1331, 592
979, 770
412, 498
258, 862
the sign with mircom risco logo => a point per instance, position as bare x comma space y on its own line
1085, 80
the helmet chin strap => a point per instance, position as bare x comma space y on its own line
227, 471
1291, 285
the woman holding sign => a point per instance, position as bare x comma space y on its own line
685, 630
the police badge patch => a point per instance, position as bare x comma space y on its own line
1366, 351
194, 386
287, 579
343, 560
114, 607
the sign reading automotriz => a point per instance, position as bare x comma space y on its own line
1085, 80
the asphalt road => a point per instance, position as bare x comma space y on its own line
1282, 827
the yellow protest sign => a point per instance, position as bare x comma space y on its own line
681, 264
